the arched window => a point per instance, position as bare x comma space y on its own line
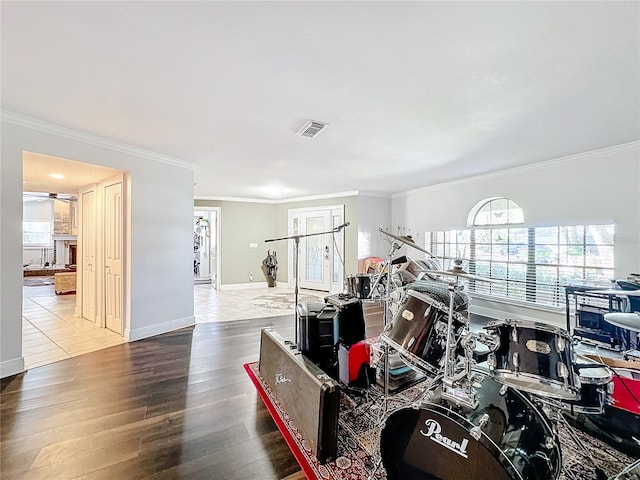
495, 211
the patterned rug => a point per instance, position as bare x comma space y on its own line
359, 439
38, 281
283, 301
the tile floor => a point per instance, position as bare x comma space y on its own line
51, 332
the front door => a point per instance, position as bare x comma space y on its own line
315, 250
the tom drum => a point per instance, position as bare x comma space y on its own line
534, 357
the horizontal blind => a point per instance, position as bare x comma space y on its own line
533, 264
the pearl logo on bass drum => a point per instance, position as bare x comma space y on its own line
434, 433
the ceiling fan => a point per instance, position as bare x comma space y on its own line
63, 197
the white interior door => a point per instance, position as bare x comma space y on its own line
315, 251
88, 253
113, 222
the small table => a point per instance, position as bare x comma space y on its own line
64, 282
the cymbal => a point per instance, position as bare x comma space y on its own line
463, 274
407, 240
629, 321
616, 292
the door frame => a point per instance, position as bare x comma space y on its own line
295, 213
215, 283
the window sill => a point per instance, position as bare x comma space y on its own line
518, 303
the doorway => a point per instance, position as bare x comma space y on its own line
320, 257
55, 315
206, 241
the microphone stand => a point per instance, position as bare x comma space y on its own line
297, 238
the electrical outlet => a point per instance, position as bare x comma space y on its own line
251, 276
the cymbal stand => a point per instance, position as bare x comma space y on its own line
386, 314
297, 238
461, 395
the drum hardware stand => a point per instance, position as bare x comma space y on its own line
559, 419
297, 238
460, 395
629, 468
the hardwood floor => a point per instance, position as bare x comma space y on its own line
178, 405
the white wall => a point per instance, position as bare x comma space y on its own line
159, 282
595, 187
373, 213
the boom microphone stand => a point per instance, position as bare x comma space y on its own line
297, 238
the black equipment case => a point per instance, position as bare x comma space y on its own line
318, 334
309, 395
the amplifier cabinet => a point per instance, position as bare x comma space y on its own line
350, 318
310, 396
318, 333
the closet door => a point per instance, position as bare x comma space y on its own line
87, 243
113, 255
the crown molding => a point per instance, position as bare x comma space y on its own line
375, 194
281, 200
20, 120
526, 168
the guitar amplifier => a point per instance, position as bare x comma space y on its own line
351, 328
318, 334
310, 396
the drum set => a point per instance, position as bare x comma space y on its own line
495, 400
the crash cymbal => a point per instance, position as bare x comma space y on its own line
407, 240
616, 293
629, 321
463, 274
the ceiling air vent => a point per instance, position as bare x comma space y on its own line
312, 128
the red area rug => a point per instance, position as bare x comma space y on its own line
359, 437
354, 462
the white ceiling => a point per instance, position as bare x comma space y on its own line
36, 169
415, 93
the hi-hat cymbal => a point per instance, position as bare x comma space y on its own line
629, 321
407, 240
463, 274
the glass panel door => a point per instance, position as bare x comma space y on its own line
315, 250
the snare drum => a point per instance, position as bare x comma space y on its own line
359, 285
418, 331
534, 357
436, 441
596, 388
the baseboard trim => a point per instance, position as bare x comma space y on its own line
152, 330
11, 367
242, 286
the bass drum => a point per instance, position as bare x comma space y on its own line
436, 442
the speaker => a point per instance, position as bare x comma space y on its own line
350, 318
318, 334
